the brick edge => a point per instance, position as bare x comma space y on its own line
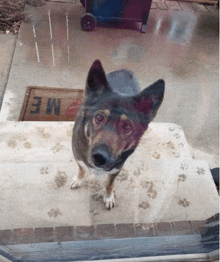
102, 231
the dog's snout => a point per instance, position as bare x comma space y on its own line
101, 156
99, 159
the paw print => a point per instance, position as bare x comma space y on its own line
156, 155
170, 145
172, 128
42, 132
44, 171
54, 212
152, 193
57, 147
12, 143
200, 171
182, 178
177, 135
149, 185
61, 179
123, 176
146, 184
184, 202
144, 205
137, 172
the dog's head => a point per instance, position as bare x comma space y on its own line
114, 123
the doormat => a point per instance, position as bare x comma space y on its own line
50, 104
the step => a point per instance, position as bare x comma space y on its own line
37, 167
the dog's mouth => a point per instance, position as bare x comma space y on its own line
100, 164
106, 167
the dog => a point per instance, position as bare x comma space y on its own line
114, 115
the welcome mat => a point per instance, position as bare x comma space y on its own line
50, 104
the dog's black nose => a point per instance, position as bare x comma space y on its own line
99, 160
101, 156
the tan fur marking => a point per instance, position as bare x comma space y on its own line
82, 172
105, 111
110, 183
124, 117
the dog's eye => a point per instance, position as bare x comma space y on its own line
126, 126
99, 118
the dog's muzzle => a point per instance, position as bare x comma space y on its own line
102, 157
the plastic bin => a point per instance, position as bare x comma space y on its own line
116, 10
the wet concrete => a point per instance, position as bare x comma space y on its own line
179, 46
7, 47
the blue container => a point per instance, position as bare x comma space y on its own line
107, 10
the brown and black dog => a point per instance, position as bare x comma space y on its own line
114, 115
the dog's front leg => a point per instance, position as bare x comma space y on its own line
77, 180
109, 198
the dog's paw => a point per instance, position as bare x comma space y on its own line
109, 201
76, 182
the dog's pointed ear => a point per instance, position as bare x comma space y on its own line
149, 100
96, 81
